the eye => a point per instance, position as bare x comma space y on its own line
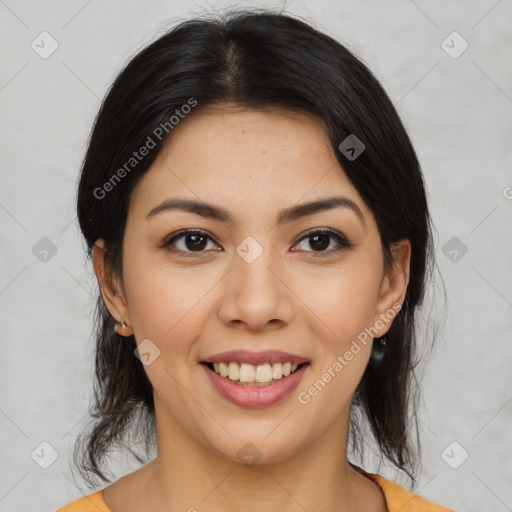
191, 241
320, 240
196, 241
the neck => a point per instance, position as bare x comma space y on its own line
186, 475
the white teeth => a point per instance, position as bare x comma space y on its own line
277, 370
223, 369
233, 371
248, 373
263, 373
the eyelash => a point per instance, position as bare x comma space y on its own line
343, 243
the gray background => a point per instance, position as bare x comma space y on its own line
458, 113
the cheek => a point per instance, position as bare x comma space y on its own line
340, 308
342, 300
166, 302
342, 315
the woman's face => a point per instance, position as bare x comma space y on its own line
254, 280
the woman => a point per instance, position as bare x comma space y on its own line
258, 225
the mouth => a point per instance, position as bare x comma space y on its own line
255, 379
255, 376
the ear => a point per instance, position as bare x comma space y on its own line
111, 290
393, 288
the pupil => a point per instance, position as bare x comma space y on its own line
196, 244
322, 246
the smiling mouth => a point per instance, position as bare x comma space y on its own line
255, 376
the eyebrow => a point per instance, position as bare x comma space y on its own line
285, 216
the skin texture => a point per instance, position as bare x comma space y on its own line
291, 298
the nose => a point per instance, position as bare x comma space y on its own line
256, 295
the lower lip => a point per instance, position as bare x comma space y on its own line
253, 396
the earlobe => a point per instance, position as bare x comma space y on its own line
110, 289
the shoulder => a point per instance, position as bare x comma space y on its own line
399, 499
91, 503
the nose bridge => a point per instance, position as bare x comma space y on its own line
253, 276
255, 295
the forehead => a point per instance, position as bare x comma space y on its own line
250, 158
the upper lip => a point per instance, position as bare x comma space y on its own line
255, 358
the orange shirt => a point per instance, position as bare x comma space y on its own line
398, 499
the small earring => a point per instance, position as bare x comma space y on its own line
383, 340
